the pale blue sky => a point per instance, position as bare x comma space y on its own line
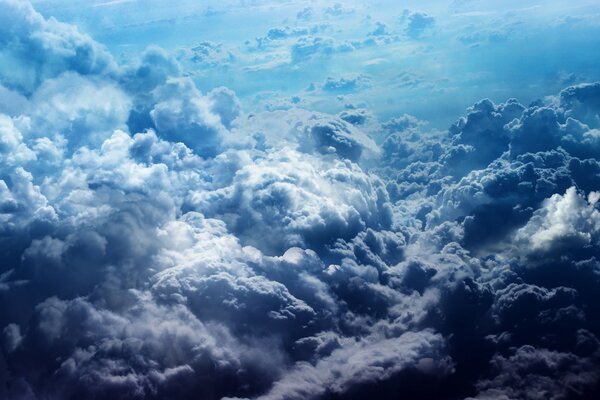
467, 51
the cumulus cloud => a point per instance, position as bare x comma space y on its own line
581, 102
337, 10
209, 54
308, 132
538, 373
345, 84
318, 201
416, 23
34, 48
83, 110
481, 137
562, 222
356, 116
305, 14
182, 113
160, 242
359, 364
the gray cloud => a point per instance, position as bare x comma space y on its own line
158, 242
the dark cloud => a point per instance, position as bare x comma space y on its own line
532, 373
583, 103
300, 191
481, 137
157, 242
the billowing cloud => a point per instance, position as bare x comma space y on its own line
298, 200
182, 114
160, 242
34, 48
563, 221
82, 110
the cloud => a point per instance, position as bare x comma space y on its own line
296, 200
305, 14
308, 47
402, 123
346, 84
563, 222
417, 23
135, 361
277, 36
83, 110
209, 54
308, 132
481, 137
225, 104
181, 113
492, 36
380, 29
36, 48
530, 373
11, 102
357, 116
152, 69
582, 102
160, 242
360, 363
337, 10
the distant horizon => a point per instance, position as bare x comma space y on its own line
465, 50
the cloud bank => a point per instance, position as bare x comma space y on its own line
158, 242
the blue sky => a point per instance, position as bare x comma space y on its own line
467, 51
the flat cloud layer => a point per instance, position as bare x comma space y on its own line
158, 242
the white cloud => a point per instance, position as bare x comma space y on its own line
563, 221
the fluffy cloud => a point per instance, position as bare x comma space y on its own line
582, 103
297, 200
158, 242
562, 222
338, 9
209, 54
82, 110
307, 132
481, 137
356, 116
33, 48
359, 364
182, 114
416, 23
